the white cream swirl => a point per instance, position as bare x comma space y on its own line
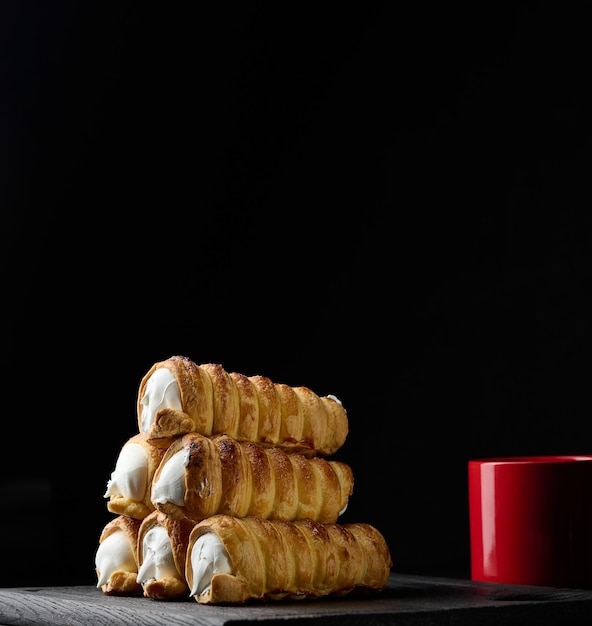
170, 484
114, 554
208, 557
157, 557
162, 392
130, 476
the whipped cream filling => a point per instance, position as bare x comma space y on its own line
157, 557
114, 554
170, 484
208, 557
130, 476
161, 392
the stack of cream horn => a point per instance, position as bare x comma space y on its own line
227, 494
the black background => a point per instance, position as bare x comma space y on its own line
382, 202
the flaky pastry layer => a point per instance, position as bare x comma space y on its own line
275, 559
223, 475
248, 408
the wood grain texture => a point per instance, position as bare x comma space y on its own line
407, 600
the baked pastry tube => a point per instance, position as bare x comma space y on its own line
116, 559
177, 396
128, 489
162, 548
201, 476
232, 560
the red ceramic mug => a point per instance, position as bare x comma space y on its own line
531, 520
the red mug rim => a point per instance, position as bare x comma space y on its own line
534, 459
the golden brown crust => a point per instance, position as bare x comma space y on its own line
269, 419
286, 499
243, 479
170, 587
330, 491
261, 481
292, 413
274, 559
248, 420
313, 430
236, 492
225, 398
167, 588
250, 408
122, 583
138, 509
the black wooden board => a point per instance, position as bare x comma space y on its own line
407, 600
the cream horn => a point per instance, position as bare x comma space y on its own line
162, 548
116, 562
232, 560
201, 476
128, 489
177, 396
